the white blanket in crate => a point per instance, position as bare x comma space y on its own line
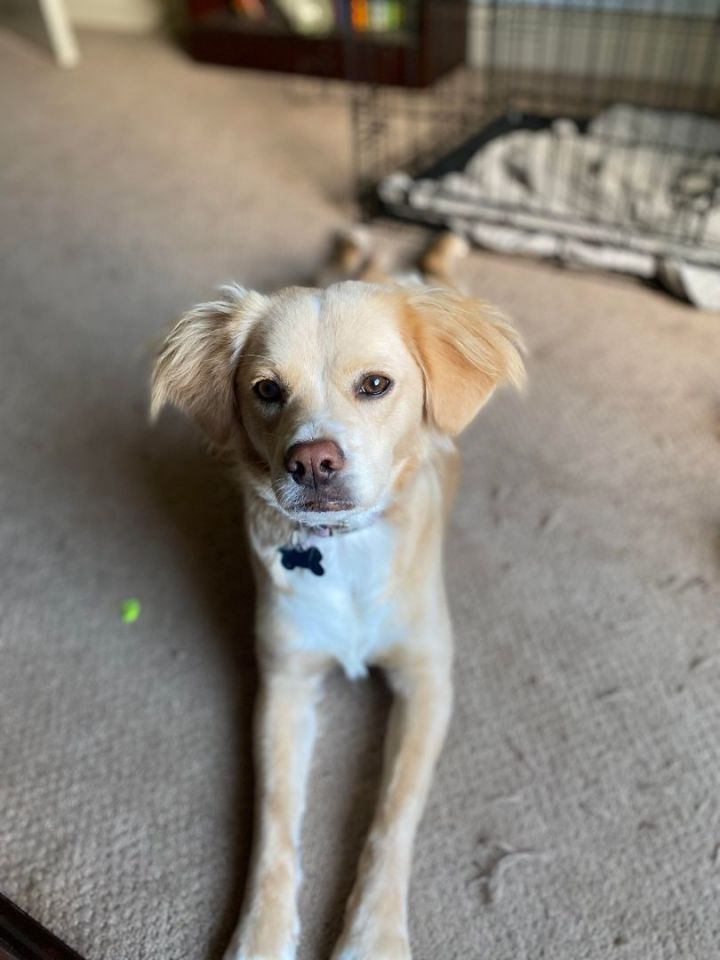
639, 192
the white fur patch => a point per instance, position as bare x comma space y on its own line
346, 613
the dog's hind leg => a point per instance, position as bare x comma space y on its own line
350, 255
439, 260
353, 258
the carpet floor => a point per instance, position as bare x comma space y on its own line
576, 810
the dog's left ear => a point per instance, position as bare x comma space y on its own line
465, 349
194, 368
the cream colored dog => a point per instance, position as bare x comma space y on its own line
339, 406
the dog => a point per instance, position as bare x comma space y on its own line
339, 408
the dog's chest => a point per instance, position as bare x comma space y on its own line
347, 611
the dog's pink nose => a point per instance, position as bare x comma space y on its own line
315, 463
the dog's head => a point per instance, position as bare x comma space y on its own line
329, 396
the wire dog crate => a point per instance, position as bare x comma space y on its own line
588, 121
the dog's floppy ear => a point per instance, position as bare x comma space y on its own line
465, 349
194, 368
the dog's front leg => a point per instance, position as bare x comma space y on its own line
284, 733
376, 920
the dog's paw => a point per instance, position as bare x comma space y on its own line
254, 956
238, 953
241, 955
265, 932
360, 953
243, 948
377, 947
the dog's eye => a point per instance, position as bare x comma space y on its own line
374, 385
268, 390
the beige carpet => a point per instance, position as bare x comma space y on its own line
584, 560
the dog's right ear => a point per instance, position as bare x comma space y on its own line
194, 368
465, 349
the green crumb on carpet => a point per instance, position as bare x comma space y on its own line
130, 610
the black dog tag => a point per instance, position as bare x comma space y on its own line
308, 559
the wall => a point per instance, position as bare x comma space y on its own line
118, 14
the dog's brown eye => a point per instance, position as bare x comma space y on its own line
268, 390
374, 385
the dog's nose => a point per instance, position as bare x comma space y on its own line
315, 463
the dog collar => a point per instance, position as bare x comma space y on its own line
324, 531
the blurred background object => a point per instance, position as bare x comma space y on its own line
60, 32
584, 131
46, 21
581, 130
407, 42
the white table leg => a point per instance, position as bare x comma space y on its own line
60, 32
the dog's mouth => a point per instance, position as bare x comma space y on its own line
324, 506
325, 509
314, 511
300, 503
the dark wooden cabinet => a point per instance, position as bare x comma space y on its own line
432, 42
